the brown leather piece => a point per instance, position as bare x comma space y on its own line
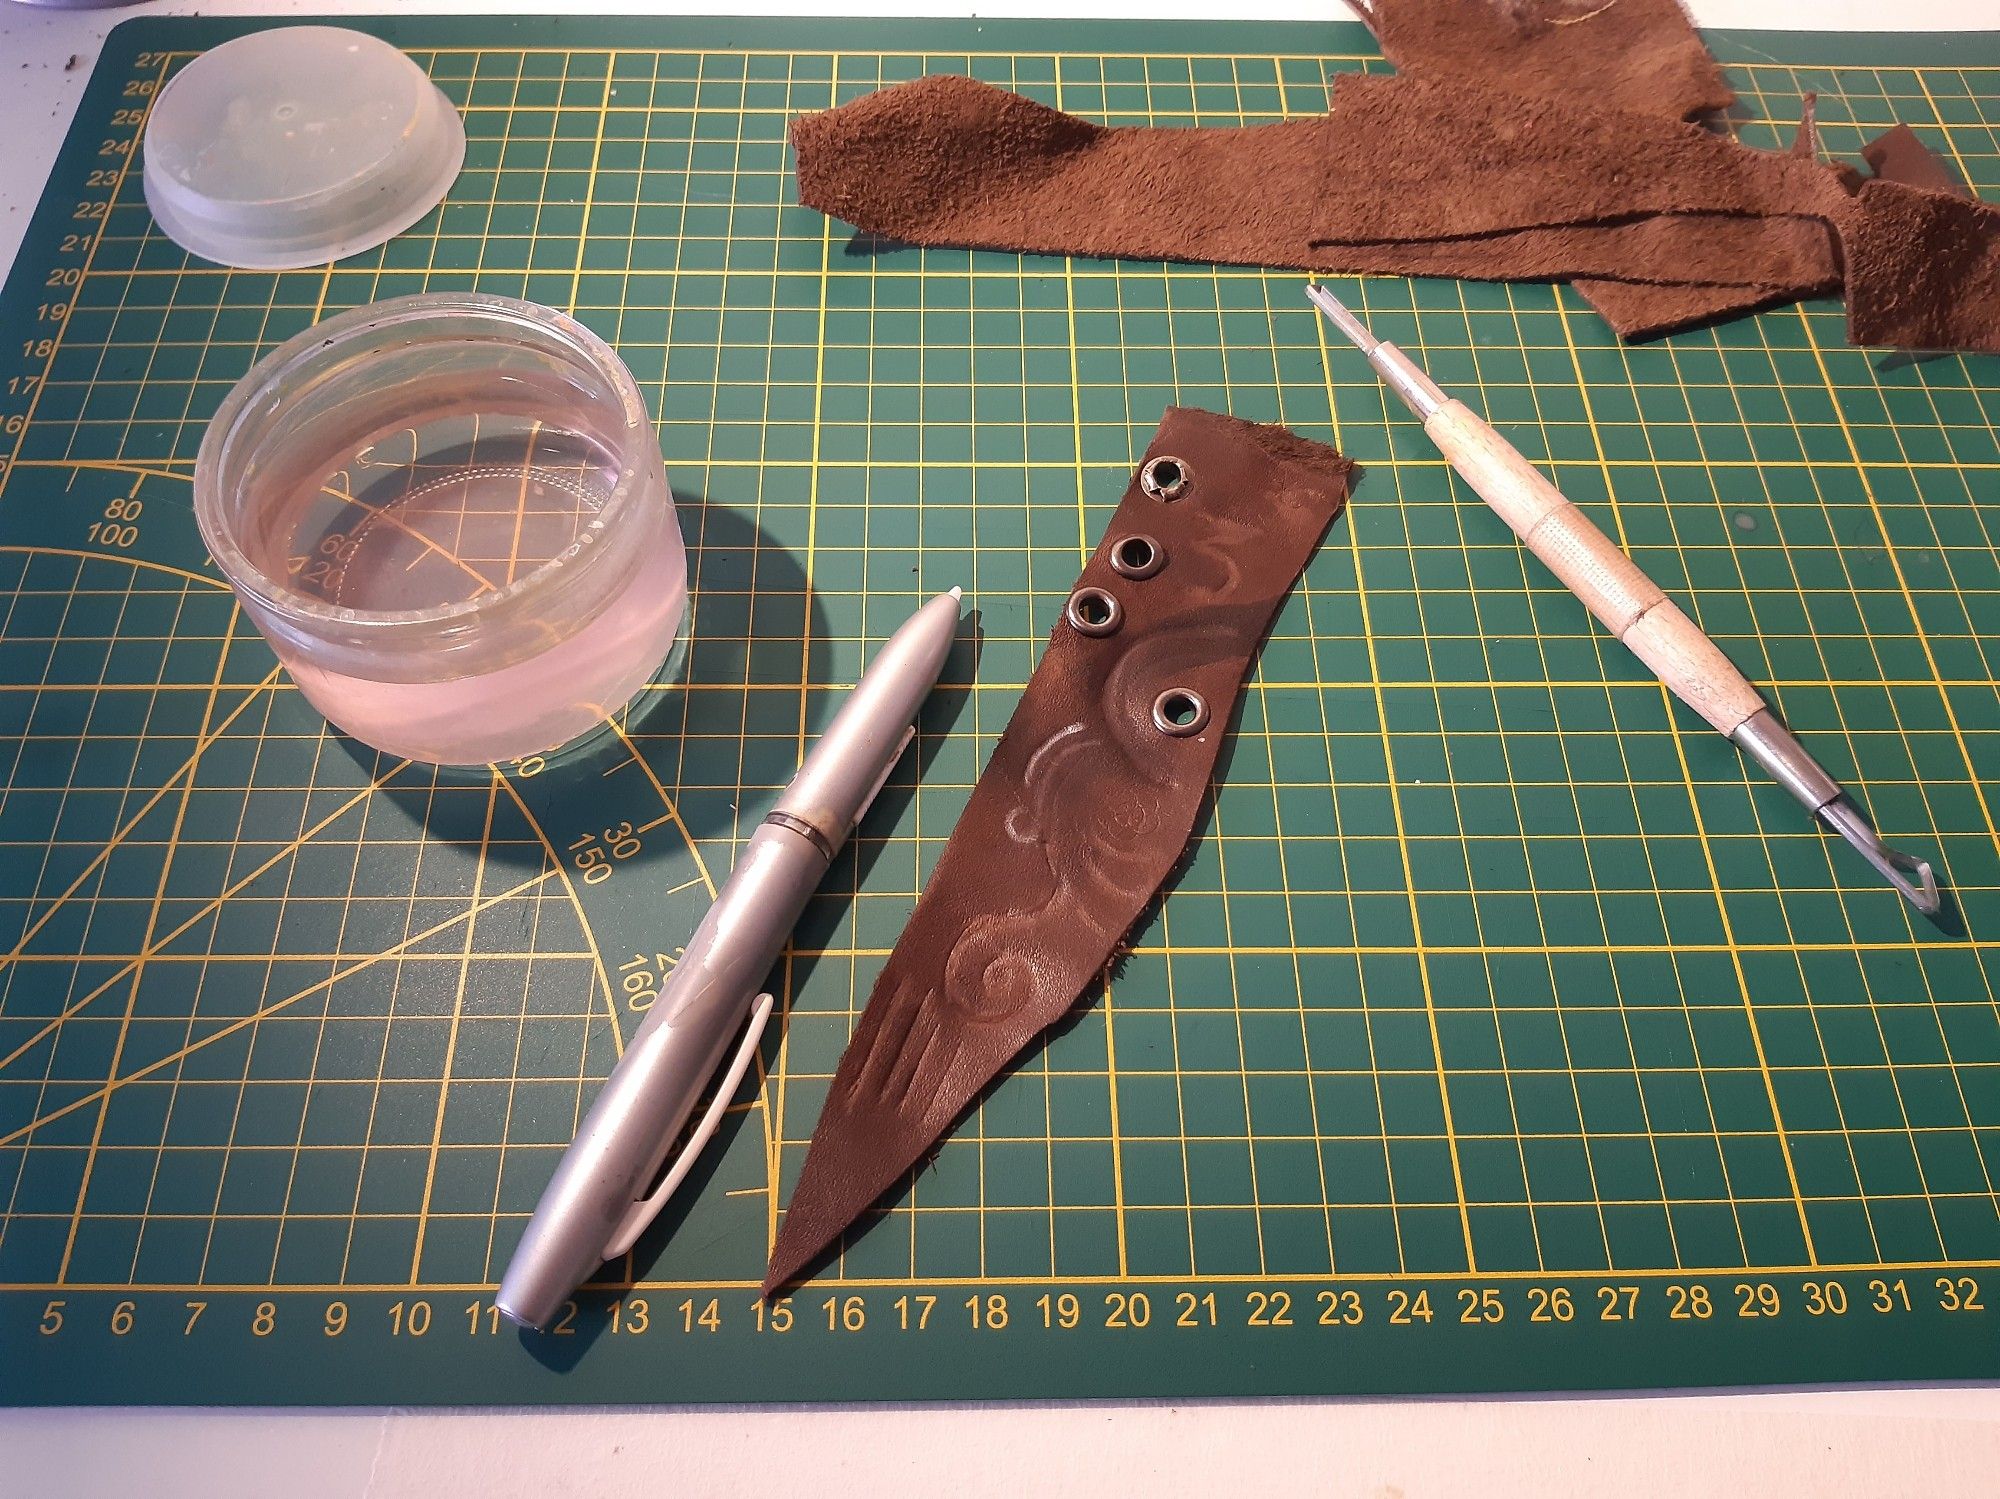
1898, 155
1641, 55
1915, 290
1636, 54
1457, 185
1449, 157
1664, 263
946, 160
1084, 810
1677, 249
1923, 269
1668, 264
1638, 311
1667, 225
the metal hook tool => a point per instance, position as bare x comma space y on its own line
1629, 603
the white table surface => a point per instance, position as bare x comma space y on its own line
1934, 1442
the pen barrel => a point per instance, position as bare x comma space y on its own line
740, 938
625, 1139
1612, 586
845, 769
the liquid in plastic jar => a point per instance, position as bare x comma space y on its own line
449, 517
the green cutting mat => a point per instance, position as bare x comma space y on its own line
1506, 1032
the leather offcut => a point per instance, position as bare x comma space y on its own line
1898, 154
1457, 166
1675, 252
1638, 311
1642, 56
1448, 156
1680, 225
1085, 808
1455, 183
946, 160
1910, 279
1637, 54
1923, 269
1923, 273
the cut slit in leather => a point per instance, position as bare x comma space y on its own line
1086, 806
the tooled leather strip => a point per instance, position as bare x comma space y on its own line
1084, 810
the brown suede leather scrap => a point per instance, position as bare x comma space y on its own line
1431, 172
946, 160
1636, 54
1456, 185
1923, 269
1446, 157
1898, 155
1638, 311
1673, 251
1084, 809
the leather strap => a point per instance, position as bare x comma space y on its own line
1086, 806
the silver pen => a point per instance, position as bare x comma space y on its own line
610, 1183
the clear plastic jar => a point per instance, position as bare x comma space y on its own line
449, 517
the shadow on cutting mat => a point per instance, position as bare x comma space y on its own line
1897, 359
864, 243
581, 1327
754, 626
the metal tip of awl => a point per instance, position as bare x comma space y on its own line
1911, 876
1337, 313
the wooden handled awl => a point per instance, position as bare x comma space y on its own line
1630, 604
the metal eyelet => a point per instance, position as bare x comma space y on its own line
1180, 711
1092, 611
1165, 478
1137, 556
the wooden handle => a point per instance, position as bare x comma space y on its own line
1630, 604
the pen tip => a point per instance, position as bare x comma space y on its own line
959, 594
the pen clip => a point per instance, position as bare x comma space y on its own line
647, 1208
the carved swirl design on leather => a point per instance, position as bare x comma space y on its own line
1085, 808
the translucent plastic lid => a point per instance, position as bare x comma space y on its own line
296, 146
